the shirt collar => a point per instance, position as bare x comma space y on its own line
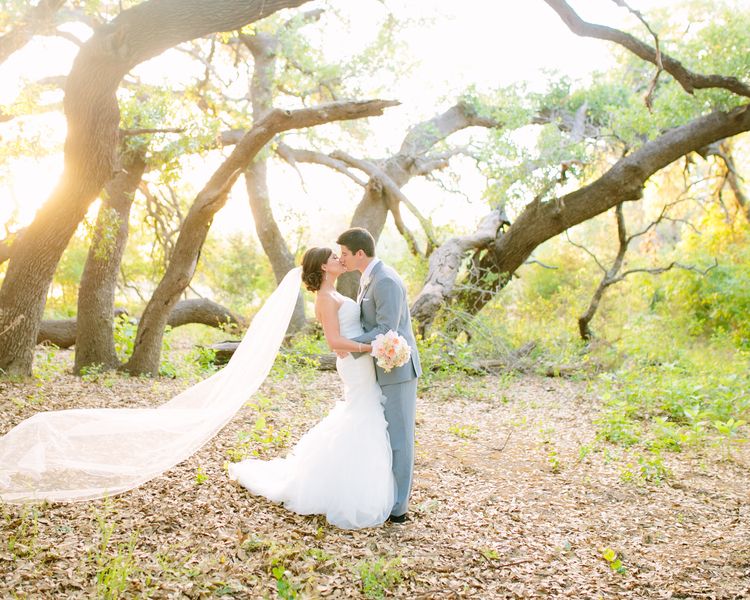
368, 270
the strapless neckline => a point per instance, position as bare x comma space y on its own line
344, 301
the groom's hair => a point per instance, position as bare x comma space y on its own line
356, 239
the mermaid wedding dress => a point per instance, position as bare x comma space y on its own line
341, 468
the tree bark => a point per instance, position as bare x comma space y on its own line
60, 332
92, 114
95, 341
263, 48
202, 311
445, 264
372, 210
211, 198
624, 181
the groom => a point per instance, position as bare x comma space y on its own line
384, 307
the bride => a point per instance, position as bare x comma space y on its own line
341, 468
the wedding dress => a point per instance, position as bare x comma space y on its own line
341, 468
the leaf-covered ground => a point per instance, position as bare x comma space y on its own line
513, 498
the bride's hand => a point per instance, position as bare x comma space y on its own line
342, 353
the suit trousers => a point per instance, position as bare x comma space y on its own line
400, 413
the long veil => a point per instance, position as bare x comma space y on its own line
82, 454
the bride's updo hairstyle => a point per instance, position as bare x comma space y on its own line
312, 272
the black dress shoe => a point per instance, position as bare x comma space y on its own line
399, 518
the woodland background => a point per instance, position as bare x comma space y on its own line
576, 250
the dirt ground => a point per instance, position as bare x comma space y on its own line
513, 498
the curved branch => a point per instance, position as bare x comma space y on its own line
202, 311
295, 155
689, 80
394, 207
670, 266
425, 135
68, 36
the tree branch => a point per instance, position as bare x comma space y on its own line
278, 120
425, 135
295, 155
66, 35
132, 132
586, 250
724, 152
689, 80
672, 265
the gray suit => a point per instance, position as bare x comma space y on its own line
384, 307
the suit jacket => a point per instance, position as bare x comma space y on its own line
384, 307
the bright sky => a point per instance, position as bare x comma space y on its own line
488, 44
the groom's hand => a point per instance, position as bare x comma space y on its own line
342, 353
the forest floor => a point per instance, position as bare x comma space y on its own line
513, 497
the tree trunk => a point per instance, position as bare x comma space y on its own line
211, 198
371, 213
624, 181
95, 341
269, 234
445, 264
263, 47
92, 114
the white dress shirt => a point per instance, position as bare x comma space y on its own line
365, 279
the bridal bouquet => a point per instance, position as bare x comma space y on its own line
390, 350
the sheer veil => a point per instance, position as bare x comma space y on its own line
82, 454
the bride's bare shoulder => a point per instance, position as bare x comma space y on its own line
326, 302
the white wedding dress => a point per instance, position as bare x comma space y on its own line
341, 468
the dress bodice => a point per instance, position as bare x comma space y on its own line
349, 320
357, 374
